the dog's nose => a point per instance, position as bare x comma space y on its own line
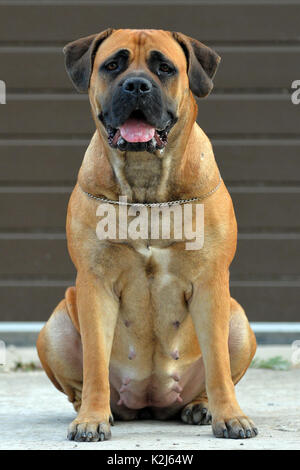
137, 86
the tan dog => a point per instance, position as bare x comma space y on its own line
150, 328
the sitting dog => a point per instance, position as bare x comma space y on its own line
150, 328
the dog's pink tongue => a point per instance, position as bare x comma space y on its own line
134, 130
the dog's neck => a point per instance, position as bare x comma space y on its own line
144, 176
184, 170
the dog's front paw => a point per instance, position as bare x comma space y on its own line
90, 429
237, 427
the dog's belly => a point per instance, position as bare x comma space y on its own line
167, 391
156, 359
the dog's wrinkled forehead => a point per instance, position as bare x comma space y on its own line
140, 44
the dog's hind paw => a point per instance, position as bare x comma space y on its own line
196, 412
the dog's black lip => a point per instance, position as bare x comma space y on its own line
161, 133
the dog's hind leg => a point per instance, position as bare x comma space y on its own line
60, 350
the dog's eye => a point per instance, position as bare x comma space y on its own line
112, 66
165, 68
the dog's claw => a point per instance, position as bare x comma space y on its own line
111, 420
71, 436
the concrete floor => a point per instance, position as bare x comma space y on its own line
34, 415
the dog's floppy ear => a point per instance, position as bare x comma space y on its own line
79, 58
202, 64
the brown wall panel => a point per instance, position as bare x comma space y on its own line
40, 162
213, 21
35, 257
269, 302
266, 256
45, 128
258, 161
240, 161
29, 302
45, 257
257, 67
27, 115
42, 209
36, 302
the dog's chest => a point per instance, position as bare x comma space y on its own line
165, 284
154, 318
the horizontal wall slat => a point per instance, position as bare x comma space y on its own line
46, 114
251, 161
269, 209
42, 68
40, 162
29, 303
254, 161
227, 22
256, 258
257, 67
269, 303
33, 211
261, 302
219, 114
266, 257
241, 67
45, 209
248, 114
45, 258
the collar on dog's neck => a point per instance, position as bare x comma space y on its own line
154, 204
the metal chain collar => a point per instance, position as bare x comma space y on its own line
155, 204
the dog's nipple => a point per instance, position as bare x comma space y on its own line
176, 388
175, 354
132, 353
175, 377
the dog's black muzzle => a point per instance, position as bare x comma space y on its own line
140, 98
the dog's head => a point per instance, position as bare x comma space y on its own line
138, 82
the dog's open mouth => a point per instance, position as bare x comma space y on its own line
137, 134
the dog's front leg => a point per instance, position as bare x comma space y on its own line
210, 310
97, 315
